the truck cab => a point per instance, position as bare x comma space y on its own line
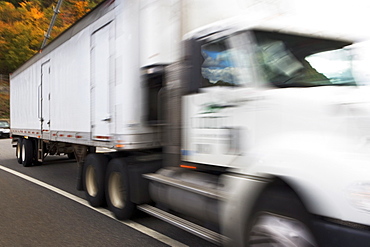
270, 122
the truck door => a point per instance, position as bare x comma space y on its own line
218, 118
44, 97
101, 64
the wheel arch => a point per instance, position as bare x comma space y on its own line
278, 214
238, 210
284, 183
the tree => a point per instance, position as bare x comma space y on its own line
23, 25
72, 10
22, 28
14, 2
21, 31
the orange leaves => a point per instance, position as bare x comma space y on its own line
8, 13
35, 14
31, 10
22, 27
81, 8
21, 31
72, 10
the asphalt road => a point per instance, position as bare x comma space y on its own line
39, 206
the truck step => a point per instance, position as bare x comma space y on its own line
183, 224
216, 194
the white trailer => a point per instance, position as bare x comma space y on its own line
255, 126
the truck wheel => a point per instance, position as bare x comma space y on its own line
117, 189
27, 152
18, 151
280, 219
93, 178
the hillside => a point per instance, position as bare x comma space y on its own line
23, 25
4, 99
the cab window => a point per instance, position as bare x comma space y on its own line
225, 62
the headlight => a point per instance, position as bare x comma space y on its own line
359, 196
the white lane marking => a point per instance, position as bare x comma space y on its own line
143, 229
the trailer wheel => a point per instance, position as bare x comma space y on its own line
117, 189
27, 152
280, 219
93, 178
18, 151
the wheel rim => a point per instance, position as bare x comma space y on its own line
275, 230
116, 190
23, 153
91, 181
18, 150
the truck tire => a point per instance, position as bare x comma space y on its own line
280, 219
93, 179
18, 151
27, 152
117, 189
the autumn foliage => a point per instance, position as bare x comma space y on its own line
23, 25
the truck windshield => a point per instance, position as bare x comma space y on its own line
4, 124
297, 61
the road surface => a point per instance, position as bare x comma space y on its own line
39, 206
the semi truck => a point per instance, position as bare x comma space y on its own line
241, 129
